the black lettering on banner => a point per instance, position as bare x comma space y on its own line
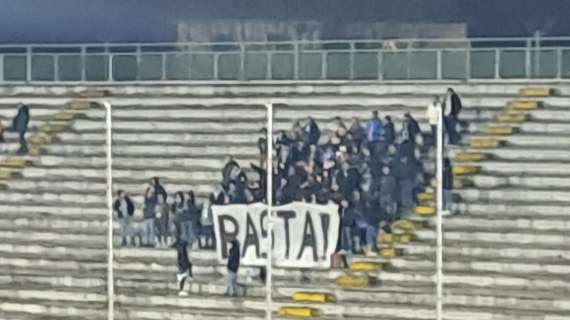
286, 216
226, 236
325, 223
309, 239
251, 238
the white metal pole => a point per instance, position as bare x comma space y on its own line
110, 253
439, 253
269, 199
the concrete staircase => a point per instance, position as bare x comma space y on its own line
53, 253
505, 254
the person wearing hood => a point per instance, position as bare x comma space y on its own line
184, 265
233, 269
312, 131
20, 125
231, 171
125, 210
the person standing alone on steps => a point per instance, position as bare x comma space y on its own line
233, 268
184, 265
20, 125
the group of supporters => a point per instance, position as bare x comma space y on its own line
370, 169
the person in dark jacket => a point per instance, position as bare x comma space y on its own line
347, 180
125, 210
389, 130
158, 189
373, 216
192, 216
412, 126
235, 194
262, 146
233, 269
357, 131
405, 174
312, 131
388, 194
454, 103
149, 214
447, 186
20, 125
231, 171
184, 265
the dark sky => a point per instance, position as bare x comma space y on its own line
154, 20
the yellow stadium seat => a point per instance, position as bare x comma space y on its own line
5, 174
472, 156
498, 130
351, 281
313, 297
366, 266
466, 170
390, 252
511, 117
536, 92
524, 105
405, 225
425, 210
81, 104
15, 163
388, 238
426, 196
484, 143
298, 312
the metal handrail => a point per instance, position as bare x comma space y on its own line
448, 58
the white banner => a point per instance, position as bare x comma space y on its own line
305, 234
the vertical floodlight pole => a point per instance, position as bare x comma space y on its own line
110, 253
269, 199
439, 253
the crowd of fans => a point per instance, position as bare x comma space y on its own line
371, 169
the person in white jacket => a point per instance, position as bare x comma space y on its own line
432, 115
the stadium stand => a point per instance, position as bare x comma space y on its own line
504, 253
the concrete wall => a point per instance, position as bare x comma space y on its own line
247, 30
264, 30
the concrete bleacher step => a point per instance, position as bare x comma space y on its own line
513, 194
59, 238
47, 310
494, 181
